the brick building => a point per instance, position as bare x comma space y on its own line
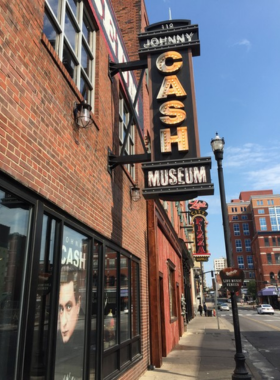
76, 250
255, 238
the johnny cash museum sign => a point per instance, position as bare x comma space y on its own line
176, 171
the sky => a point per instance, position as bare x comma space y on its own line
237, 88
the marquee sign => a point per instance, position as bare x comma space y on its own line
176, 172
177, 179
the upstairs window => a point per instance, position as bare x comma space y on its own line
124, 117
274, 213
250, 262
266, 242
246, 230
238, 245
260, 203
240, 262
268, 258
68, 27
263, 225
244, 217
236, 229
248, 245
260, 211
235, 217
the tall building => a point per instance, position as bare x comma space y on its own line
254, 221
220, 264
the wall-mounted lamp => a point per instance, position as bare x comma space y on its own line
82, 114
135, 193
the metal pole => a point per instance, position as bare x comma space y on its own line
240, 371
216, 303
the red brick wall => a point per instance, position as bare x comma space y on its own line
41, 148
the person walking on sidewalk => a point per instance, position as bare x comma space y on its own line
200, 309
205, 309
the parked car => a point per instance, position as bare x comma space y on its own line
224, 307
265, 308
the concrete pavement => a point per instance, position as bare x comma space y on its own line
206, 352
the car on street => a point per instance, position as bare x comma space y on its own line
224, 307
265, 309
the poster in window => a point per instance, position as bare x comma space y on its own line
71, 308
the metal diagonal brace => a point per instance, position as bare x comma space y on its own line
114, 68
114, 161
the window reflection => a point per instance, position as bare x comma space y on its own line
14, 225
125, 300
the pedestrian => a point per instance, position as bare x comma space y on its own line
205, 308
200, 309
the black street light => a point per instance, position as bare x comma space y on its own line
240, 371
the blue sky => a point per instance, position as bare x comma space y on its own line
237, 85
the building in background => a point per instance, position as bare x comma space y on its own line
254, 221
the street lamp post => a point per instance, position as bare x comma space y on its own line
240, 371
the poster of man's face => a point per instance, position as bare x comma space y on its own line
69, 308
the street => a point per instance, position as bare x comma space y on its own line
260, 339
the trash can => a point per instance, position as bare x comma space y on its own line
209, 313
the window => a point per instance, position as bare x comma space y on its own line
240, 262
278, 241
244, 217
234, 209
247, 245
235, 217
245, 227
250, 262
277, 258
266, 242
172, 294
124, 120
238, 245
268, 258
243, 209
263, 224
236, 229
260, 203
72, 35
260, 211
274, 213
270, 202
251, 274
274, 241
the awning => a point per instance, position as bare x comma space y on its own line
268, 292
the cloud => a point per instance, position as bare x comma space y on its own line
245, 43
265, 178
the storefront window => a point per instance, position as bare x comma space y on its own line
14, 227
110, 299
125, 300
72, 306
43, 298
135, 296
94, 308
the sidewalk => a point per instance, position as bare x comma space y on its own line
204, 352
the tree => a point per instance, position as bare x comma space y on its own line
252, 289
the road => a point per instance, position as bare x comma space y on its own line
260, 339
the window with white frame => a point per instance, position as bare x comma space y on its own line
124, 117
244, 217
236, 229
246, 230
263, 224
71, 32
260, 211
238, 245
260, 203
250, 262
274, 213
247, 245
235, 217
240, 262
